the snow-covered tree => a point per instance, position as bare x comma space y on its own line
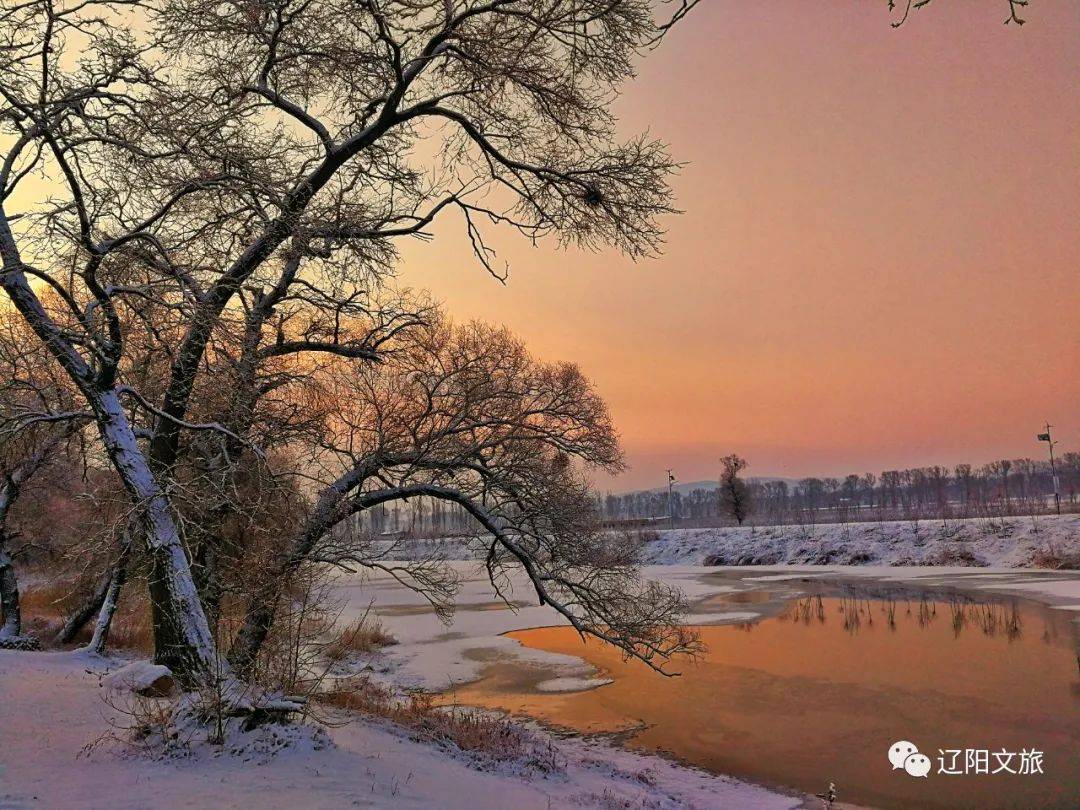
201, 154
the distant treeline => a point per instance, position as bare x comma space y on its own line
417, 517
1006, 487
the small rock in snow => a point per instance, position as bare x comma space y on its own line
142, 678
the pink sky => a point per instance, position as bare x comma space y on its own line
877, 266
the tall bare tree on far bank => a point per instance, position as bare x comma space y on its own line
734, 493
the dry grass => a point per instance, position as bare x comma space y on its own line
46, 606
364, 635
1050, 556
42, 628
484, 736
958, 554
51, 600
132, 628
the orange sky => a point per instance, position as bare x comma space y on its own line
878, 263
877, 266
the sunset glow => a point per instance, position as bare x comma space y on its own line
877, 263
393, 393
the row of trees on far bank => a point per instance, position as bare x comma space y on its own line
1004, 487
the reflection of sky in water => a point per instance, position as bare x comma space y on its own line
820, 690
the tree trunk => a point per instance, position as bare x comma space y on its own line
257, 622
85, 612
118, 575
9, 584
182, 638
206, 577
9, 493
9, 594
263, 606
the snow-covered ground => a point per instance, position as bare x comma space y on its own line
52, 706
1011, 542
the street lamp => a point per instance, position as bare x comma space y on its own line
670, 500
1045, 437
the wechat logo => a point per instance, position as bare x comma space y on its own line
905, 755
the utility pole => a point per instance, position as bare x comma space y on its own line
670, 500
1045, 437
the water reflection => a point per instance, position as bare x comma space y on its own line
819, 690
991, 618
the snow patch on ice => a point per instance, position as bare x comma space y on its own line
729, 617
571, 684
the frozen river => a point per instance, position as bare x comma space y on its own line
809, 677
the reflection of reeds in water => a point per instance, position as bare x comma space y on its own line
849, 609
924, 614
804, 610
1050, 634
889, 608
959, 617
927, 612
992, 618
854, 612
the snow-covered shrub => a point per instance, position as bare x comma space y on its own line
953, 554
1052, 556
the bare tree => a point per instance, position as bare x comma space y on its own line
734, 494
964, 477
37, 425
205, 158
1000, 469
204, 148
465, 415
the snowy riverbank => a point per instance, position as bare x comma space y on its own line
52, 708
1007, 542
